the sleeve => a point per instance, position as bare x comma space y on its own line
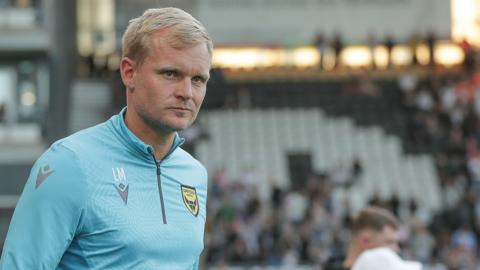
48, 214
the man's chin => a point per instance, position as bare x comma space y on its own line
167, 126
179, 125
176, 126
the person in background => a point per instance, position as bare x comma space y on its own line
431, 40
123, 194
372, 44
389, 43
337, 46
320, 43
373, 227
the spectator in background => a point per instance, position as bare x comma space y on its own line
389, 44
413, 43
434, 263
320, 43
469, 53
431, 39
465, 240
337, 45
422, 242
373, 227
372, 43
346, 174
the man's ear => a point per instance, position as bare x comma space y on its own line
127, 71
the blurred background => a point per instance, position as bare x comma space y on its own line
315, 109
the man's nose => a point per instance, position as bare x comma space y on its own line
184, 89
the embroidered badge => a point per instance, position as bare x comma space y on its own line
189, 195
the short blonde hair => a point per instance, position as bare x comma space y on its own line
186, 31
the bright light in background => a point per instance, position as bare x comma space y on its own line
466, 20
356, 56
249, 57
85, 43
305, 57
381, 57
96, 27
401, 56
271, 57
84, 24
27, 90
28, 99
448, 54
423, 54
105, 22
236, 58
329, 60
113, 62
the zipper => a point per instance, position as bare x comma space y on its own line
159, 184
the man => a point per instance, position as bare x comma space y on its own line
122, 194
372, 227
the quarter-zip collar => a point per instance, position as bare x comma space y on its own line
133, 142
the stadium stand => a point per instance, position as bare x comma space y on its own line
273, 217
263, 139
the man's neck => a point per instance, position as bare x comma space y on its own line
161, 145
160, 141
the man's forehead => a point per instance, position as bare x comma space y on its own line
170, 37
196, 56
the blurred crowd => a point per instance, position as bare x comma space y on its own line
291, 227
309, 225
444, 117
300, 227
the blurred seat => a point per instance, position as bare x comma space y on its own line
261, 139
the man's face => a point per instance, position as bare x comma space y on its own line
388, 237
166, 91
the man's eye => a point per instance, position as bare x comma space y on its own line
198, 79
169, 74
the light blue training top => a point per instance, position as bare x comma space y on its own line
98, 199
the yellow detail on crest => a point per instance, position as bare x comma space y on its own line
190, 199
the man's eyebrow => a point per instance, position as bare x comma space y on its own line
204, 76
164, 69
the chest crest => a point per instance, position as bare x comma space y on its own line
189, 195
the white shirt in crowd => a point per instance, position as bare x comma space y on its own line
383, 258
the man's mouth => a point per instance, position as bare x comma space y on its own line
181, 109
